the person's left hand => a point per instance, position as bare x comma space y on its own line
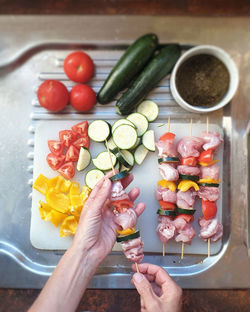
96, 232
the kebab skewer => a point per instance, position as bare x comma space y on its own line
210, 227
125, 218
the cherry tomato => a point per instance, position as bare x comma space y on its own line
67, 137
79, 67
82, 142
168, 136
82, 98
209, 209
187, 218
53, 95
81, 128
67, 170
54, 161
189, 161
206, 156
56, 147
72, 154
122, 205
166, 205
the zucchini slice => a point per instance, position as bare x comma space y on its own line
169, 213
138, 141
125, 136
148, 140
84, 159
99, 130
102, 161
168, 160
111, 144
126, 158
119, 176
185, 211
189, 177
92, 177
119, 122
149, 109
140, 154
126, 238
140, 121
124, 168
209, 184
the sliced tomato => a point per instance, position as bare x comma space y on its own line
206, 156
209, 209
189, 161
187, 218
82, 142
54, 161
67, 170
56, 147
72, 154
166, 205
67, 137
168, 136
121, 205
81, 128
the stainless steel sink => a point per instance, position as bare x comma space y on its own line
32, 49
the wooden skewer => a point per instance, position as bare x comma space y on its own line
163, 249
137, 269
182, 250
110, 158
191, 125
207, 124
169, 124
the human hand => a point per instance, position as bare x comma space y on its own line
159, 293
96, 232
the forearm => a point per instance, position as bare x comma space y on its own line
65, 287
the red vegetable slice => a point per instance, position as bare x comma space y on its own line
72, 154
209, 209
121, 205
82, 142
166, 205
56, 147
187, 218
67, 170
206, 156
189, 161
54, 161
67, 137
168, 136
81, 128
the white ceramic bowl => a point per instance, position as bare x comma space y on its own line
233, 77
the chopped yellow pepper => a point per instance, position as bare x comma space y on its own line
185, 185
127, 231
59, 184
68, 227
167, 184
44, 209
58, 201
74, 189
209, 180
85, 193
208, 164
55, 217
41, 184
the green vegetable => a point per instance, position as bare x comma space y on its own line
189, 177
163, 212
151, 75
209, 184
126, 238
168, 160
129, 65
185, 211
119, 176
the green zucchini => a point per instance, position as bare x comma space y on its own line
170, 213
119, 176
168, 160
130, 64
185, 211
189, 177
209, 184
126, 238
149, 77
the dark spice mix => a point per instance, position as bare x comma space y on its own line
202, 80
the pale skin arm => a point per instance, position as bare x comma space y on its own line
94, 239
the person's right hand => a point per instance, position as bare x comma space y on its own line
159, 293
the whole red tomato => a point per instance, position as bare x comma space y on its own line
79, 67
82, 98
53, 95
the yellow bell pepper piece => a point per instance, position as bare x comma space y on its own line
85, 194
58, 201
44, 209
55, 217
209, 180
74, 189
208, 164
59, 184
167, 184
127, 231
68, 226
185, 185
41, 184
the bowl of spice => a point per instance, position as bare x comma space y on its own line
204, 79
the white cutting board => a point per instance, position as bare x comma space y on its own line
44, 235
